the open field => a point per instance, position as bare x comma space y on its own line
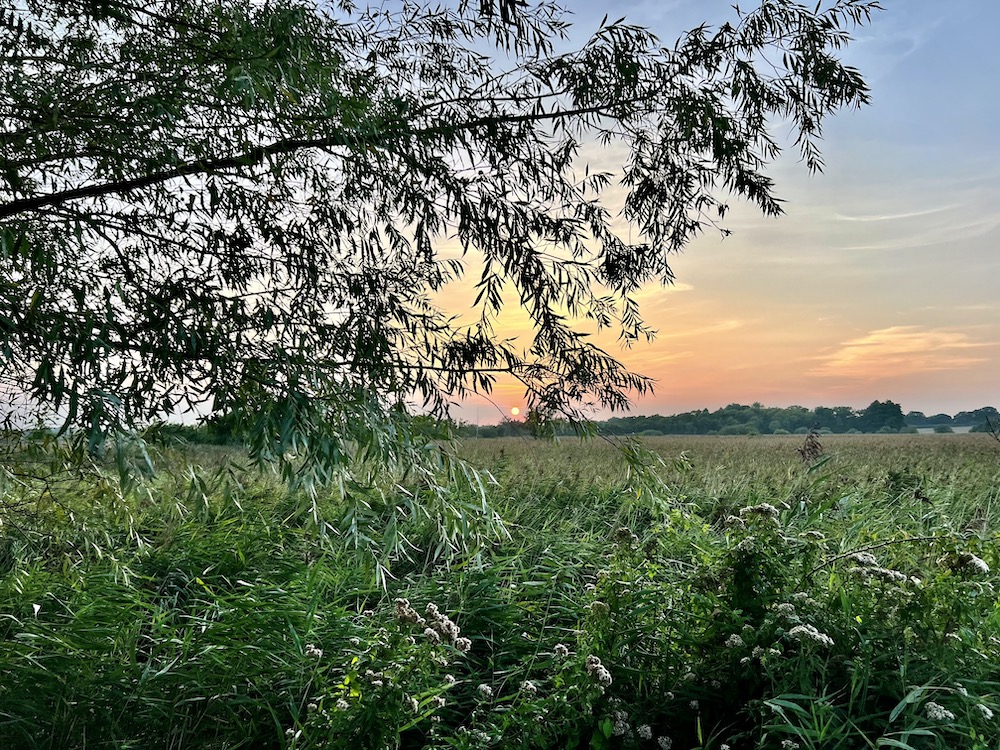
748, 600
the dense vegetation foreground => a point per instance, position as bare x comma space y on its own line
755, 600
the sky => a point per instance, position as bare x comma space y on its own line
882, 279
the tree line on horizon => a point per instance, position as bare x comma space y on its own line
757, 419
884, 417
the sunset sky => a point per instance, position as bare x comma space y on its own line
883, 278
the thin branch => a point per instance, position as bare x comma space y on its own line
880, 545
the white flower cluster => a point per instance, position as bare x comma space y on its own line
985, 711
789, 745
965, 562
937, 712
438, 627
864, 559
665, 743
975, 564
560, 651
599, 608
803, 598
734, 641
625, 537
478, 735
764, 510
598, 671
313, 652
644, 732
485, 691
621, 727
406, 614
809, 633
875, 572
529, 688
786, 610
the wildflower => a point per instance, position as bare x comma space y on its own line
970, 562
757, 653
735, 522
602, 676
560, 651
464, 645
342, 705
600, 609
312, 652
764, 510
724, 746
960, 689
885, 574
621, 727
405, 614
789, 745
529, 687
665, 743
414, 705
432, 635
864, 559
312, 707
448, 629
734, 641
432, 611
694, 705
449, 679
598, 671
785, 609
937, 712
985, 711
747, 545
644, 732
485, 691
438, 701
809, 633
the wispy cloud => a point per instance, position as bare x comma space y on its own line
895, 217
901, 350
941, 235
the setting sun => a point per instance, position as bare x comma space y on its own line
514, 411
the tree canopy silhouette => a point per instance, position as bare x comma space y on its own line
240, 207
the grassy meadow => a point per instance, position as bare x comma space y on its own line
748, 599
